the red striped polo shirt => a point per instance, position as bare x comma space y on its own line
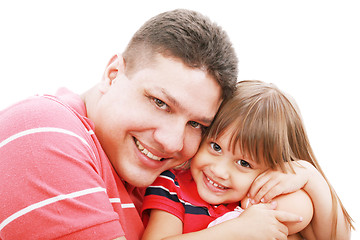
55, 179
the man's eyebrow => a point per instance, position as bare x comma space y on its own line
206, 121
202, 120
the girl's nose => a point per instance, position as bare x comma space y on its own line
220, 169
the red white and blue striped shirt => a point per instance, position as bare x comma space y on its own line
175, 192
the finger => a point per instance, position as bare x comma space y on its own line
283, 228
264, 190
272, 193
283, 231
257, 184
271, 206
273, 179
281, 236
283, 216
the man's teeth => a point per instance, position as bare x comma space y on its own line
215, 184
146, 152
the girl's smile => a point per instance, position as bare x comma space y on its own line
221, 175
214, 186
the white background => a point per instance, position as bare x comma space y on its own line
310, 49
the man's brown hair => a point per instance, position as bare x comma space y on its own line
191, 37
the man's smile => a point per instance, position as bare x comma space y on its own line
146, 152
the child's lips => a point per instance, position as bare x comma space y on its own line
213, 185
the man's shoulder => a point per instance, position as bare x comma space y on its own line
38, 111
43, 121
33, 106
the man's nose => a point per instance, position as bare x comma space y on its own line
171, 136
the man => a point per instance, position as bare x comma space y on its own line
70, 164
147, 113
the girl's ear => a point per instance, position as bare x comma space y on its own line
114, 68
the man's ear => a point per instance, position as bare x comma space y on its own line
113, 70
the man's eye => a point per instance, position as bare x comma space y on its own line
215, 147
194, 124
243, 163
160, 104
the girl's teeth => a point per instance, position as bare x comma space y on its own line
214, 184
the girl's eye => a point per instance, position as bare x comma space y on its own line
215, 147
243, 163
160, 104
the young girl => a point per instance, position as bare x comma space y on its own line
255, 151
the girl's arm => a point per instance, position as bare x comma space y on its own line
319, 191
257, 222
274, 183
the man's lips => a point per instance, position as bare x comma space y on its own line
146, 152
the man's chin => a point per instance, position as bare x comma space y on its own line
141, 181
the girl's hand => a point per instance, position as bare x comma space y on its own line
261, 221
273, 183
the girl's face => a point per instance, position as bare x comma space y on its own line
222, 176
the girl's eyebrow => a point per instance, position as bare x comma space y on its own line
203, 120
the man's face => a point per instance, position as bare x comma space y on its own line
152, 120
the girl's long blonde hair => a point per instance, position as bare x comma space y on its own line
267, 125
